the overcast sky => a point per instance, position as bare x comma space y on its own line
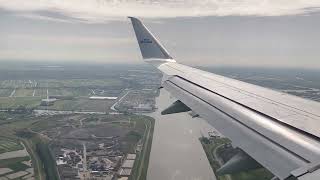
267, 33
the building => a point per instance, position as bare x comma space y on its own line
126, 168
128, 164
102, 98
131, 156
123, 172
48, 101
143, 107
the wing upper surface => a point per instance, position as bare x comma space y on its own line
280, 131
295, 111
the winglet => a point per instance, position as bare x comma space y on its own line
151, 49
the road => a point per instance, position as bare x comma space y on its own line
81, 122
85, 175
84, 157
12, 93
40, 112
93, 92
119, 101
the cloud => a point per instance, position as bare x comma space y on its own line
104, 10
64, 40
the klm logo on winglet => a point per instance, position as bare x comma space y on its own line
145, 41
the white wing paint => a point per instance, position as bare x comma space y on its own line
280, 131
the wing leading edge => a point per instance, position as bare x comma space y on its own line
279, 131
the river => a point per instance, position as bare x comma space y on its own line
176, 152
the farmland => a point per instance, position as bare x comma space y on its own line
14, 159
75, 93
7, 145
79, 124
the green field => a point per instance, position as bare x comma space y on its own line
57, 83
14, 102
7, 145
39, 92
141, 164
81, 104
76, 92
15, 163
5, 92
209, 145
41, 156
65, 87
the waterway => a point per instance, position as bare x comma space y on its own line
176, 152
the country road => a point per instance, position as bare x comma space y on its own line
119, 101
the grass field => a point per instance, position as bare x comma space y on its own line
5, 92
9, 84
141, 164
22, 92
14, 102
56, 91
16, 84
81, 104
7, 145
53, 83
210, 146
76, 92
15, 163
78, 86
41, 92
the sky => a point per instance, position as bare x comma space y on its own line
250, 33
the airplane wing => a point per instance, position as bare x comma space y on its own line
280, 131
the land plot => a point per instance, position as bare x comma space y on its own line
76, 92
16, 164
5, 92
81, 104
7, 145
14, 84
22, 92
14, 102
41, 92
92, 83
53, 83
